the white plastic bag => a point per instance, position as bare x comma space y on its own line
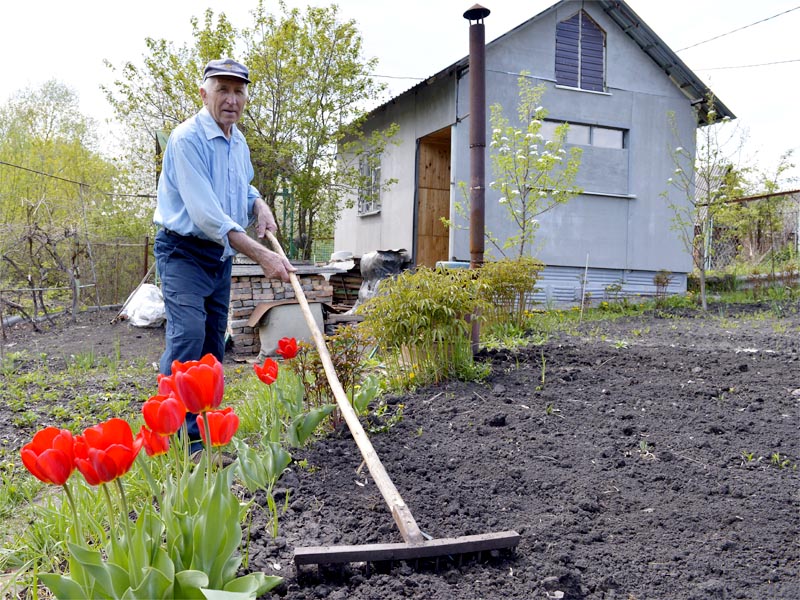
146, 307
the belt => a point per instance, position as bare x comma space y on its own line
191, 238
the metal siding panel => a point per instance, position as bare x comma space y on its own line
563, 284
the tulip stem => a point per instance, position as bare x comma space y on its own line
209, 463
149, 476
110, 506
126, 521
72, 505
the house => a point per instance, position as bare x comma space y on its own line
617, 97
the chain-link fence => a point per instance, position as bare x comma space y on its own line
754, 231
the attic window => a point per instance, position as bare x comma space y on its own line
580, 53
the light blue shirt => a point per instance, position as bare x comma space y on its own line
204, 188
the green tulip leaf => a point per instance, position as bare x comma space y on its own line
258, 583
112, 579
156, 584
63, 587
303, 426
188, 585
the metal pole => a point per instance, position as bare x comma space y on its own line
477, 143
477, 132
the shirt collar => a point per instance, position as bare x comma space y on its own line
210, 126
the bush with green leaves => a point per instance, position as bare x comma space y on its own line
419, 322
508, 288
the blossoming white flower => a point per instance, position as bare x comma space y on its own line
679, 149
502, 200
678, 171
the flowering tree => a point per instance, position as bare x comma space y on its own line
533, 174
705, 184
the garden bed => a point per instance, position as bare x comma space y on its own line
647, 457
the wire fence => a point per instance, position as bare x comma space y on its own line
757, 231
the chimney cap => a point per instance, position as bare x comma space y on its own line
476, 13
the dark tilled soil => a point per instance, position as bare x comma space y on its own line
646, 458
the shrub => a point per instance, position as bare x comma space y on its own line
419, 322
508, 288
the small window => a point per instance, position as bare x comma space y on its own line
548, 130
580, 53
586, 135
607, 138
369, 192
579, 134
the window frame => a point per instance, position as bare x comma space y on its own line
369, 195
549, 125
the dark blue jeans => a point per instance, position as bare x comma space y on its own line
196, 285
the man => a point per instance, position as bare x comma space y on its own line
205, 201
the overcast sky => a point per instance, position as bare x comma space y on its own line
755, 71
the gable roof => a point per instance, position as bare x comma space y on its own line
681, 75
634, 27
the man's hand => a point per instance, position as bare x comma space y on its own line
273, 264
264, 219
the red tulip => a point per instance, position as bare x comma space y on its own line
222, 423
287, 348
267, 373
165, 385
50, 456
199, 384
164, 414
106, 451
153, 442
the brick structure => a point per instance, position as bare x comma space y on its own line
249, 288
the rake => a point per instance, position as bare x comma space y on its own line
416, 544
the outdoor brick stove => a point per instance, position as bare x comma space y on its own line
250, 291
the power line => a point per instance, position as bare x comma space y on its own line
777, 62
397, 77
110, 194
737, 29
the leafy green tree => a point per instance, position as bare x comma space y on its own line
532, 174
310, 83
755, 226
705, 184
54, 189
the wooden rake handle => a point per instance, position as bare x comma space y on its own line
400, 512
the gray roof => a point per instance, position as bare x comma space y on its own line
634, 27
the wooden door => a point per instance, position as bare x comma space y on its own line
433, 198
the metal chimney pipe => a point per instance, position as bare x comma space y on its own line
477, 132
477, 145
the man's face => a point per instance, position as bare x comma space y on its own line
225, 100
